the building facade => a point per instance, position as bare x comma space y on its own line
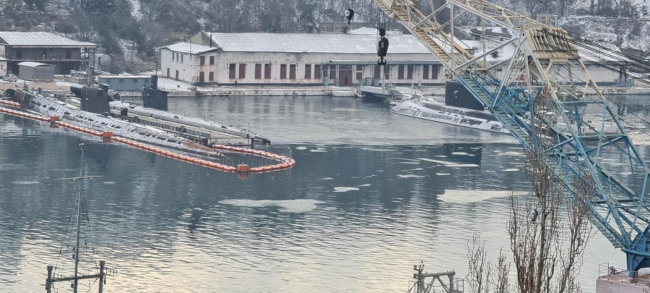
3, 66
298, 59
125, 82
65, 54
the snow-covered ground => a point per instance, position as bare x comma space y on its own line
171, 85
635, 33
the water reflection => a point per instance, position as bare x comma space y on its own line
350, 216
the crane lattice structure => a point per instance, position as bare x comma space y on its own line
545, 86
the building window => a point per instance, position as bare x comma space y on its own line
211, 76
377, 72
387, 72
425, 71
201, 77
68, 54
400, 72
435, 70
283, 71
359, 72
211, 60
332, 72
242, 71
317, 72
410, 71
19, 54
292, 71
182, 55
267, 71
258, 71
202, 60
173, 56
176, 74
168, 72
121, 80
232, 71
135, 80
307, 71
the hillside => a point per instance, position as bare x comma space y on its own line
122, 26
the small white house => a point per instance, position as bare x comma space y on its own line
189, 62
36, 71
3, 66
300, 59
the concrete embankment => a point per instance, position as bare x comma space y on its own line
265, 91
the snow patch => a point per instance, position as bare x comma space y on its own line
406, 176
341, 189
450, 164
469, 196
285, 206
24, 182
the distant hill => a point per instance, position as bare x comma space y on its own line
124, 26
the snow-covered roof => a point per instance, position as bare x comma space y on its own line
371, 31
33, 64
40, 39
3, 59
314, 43
189, 48
124, 76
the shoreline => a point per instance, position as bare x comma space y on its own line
183, 90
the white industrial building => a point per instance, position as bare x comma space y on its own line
301, 59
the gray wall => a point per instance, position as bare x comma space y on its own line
125, 83
40, 73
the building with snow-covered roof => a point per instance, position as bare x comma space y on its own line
301, 59
63, 53
189, 62
36, 71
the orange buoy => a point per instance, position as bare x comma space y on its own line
242, 168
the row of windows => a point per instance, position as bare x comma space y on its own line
202, 60
178, 57
286, 71
403, 71
201, 76
43, 53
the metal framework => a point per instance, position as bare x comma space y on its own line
435, 282
546, 97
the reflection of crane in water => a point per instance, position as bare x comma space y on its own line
545, 74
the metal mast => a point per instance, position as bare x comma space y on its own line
51, 278
544, 86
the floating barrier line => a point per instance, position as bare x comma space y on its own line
285, 162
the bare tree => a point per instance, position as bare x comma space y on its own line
480, 271
548, 231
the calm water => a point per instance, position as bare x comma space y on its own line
372, 194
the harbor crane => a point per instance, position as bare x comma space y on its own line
544, 95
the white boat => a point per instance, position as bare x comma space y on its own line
434, 111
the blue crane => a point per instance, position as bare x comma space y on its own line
544, 95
